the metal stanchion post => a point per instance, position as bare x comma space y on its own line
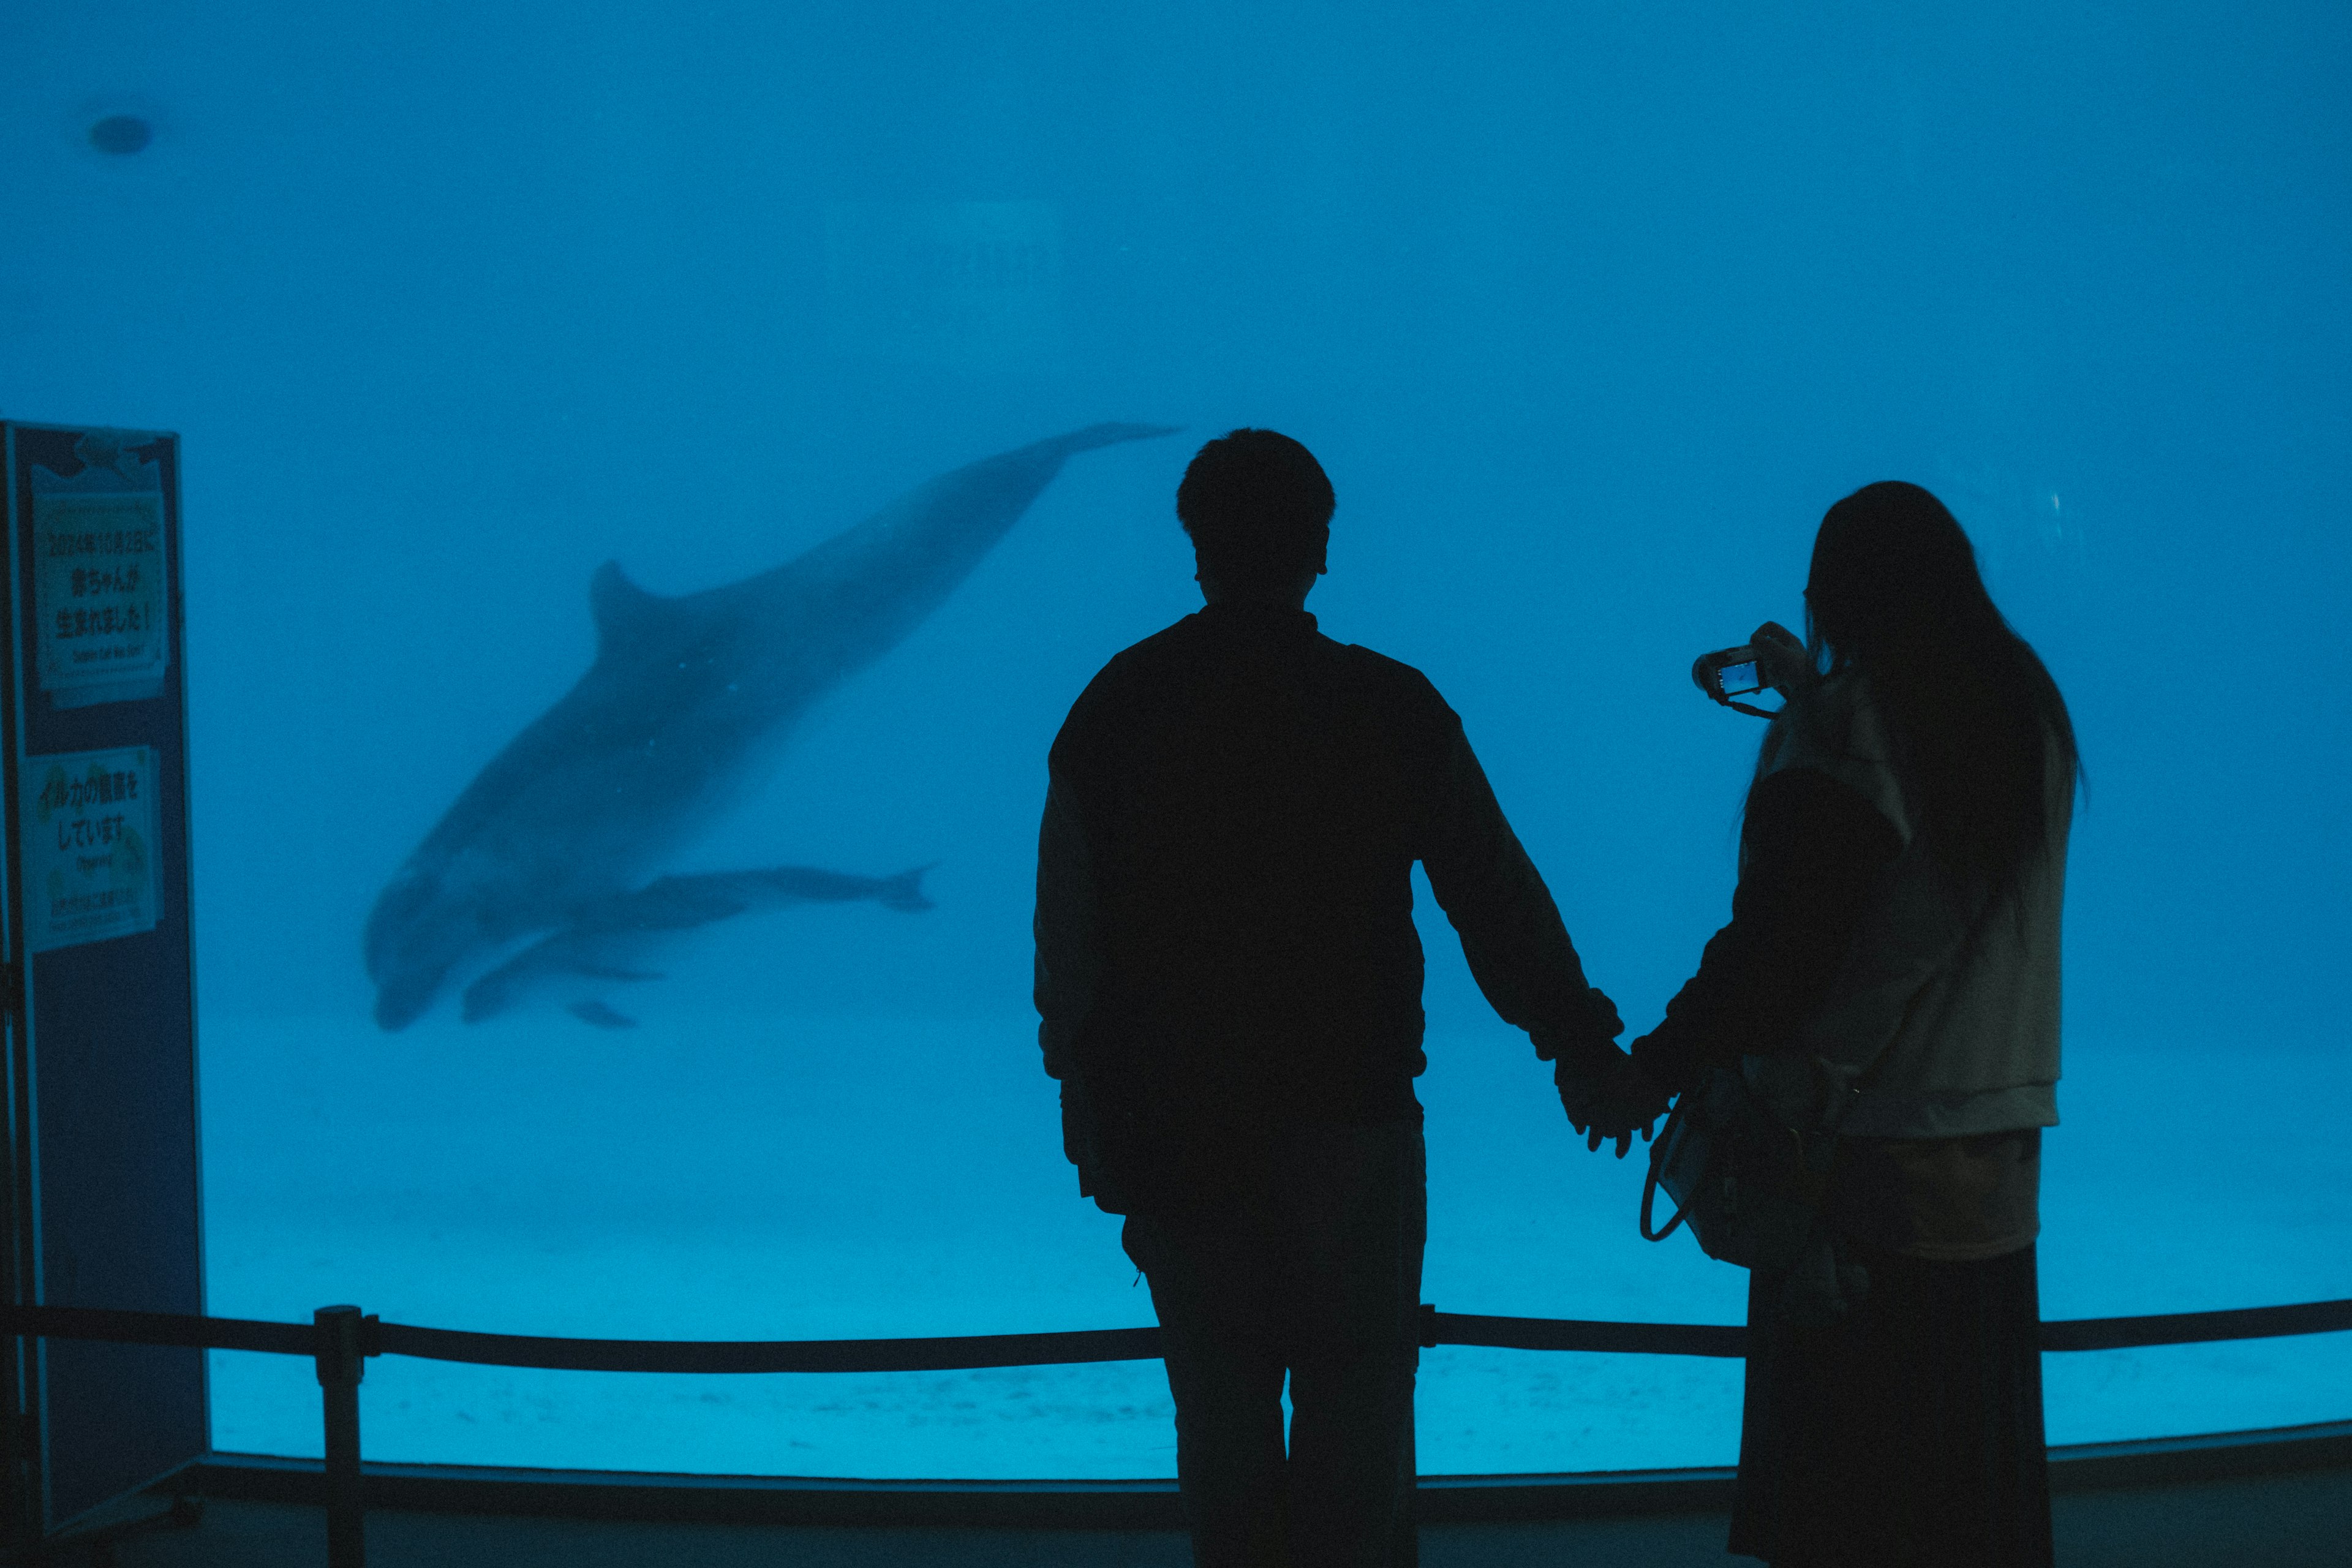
341, 1360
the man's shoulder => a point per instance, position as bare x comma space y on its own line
1375, 665
1168, 643
1138, 677
1398, 682
1142, 662
1121, 683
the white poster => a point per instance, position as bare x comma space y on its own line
99, 574
99, 581
89, 847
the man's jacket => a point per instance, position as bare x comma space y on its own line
1224, 928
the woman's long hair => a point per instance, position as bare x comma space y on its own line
1895, 599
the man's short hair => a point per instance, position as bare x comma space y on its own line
1258, 507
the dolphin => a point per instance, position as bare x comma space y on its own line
685, 696
613, 938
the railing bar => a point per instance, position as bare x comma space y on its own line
2197, 1328
943, 1354
179, 1329
1081, 1346
1574, 1334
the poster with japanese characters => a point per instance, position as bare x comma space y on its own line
98, 595
90, 846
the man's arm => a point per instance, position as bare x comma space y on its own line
1068, 927
1511, 932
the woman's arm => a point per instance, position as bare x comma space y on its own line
1812, 849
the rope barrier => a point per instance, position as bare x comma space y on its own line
2197, 1328
772, 1355
1574, 1334
974, 1351
159, 1328
341, 1339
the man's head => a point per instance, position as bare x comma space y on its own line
1258, 508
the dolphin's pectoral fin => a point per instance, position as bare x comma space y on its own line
601, 1016
622, 610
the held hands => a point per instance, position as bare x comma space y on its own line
1611, 1098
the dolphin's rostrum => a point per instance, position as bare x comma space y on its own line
685, 696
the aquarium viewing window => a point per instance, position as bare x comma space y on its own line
504, 345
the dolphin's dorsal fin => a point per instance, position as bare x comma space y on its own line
622, 610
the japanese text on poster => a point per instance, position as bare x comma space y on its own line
89, 847
99, 587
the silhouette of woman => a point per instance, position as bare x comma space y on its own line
1889, 980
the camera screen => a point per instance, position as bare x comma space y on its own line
1740, 678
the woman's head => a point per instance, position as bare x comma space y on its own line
1896, 598
1892, 569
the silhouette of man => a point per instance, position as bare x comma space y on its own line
1230, 984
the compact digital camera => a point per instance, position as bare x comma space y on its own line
1731, 673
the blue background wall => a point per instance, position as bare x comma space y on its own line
1590, 312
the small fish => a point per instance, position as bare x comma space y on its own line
612, 940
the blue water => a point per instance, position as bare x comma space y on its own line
1589, 315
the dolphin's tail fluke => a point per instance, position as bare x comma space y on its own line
1094, 436
904, 891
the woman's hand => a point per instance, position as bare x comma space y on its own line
1623, 1100
1782, 661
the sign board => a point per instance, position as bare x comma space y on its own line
88, 847
102, 1200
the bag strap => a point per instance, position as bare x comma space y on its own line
1657, 1164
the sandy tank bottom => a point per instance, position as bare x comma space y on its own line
819, 1177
